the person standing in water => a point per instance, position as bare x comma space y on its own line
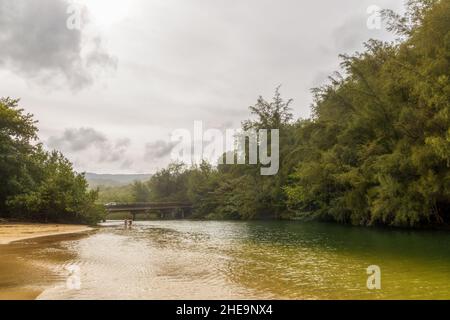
128, 223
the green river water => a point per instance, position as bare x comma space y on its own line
228, 260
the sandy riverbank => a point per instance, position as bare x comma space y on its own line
11, 232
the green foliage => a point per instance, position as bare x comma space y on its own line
376, 151
269, 115
140, 192
232, 192
381, 133
17, 132
169, 185
38, 185
119, 194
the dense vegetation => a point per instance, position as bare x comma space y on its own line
37, 185
376, 150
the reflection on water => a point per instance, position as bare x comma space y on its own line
29, 266
224, 260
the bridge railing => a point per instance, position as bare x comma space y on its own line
147, 205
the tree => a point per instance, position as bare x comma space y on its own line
17, 132
375, 152
169, 184
380, 135
38, 185
60, 194
140, 192
269, 115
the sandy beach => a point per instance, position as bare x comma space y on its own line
20, 277
11, 232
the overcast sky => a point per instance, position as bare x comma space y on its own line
110, 94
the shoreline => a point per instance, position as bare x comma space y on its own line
11, 232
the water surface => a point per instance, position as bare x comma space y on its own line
229, 260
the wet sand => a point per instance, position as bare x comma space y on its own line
32, 258
12, 232
19, 295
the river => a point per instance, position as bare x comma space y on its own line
228, 260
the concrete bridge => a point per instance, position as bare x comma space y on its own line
166, 210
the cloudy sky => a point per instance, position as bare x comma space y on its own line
110, 94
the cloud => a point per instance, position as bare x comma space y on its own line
180, 61
159, 149
36, 44
78, 139
90, 142
353, 33
126, 164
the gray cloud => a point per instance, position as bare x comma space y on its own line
36, 44
353, 33
123, 143
76, 141
180, 61
158, 149
126, 164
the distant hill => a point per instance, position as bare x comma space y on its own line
113, 180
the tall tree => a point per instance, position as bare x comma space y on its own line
38, 185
